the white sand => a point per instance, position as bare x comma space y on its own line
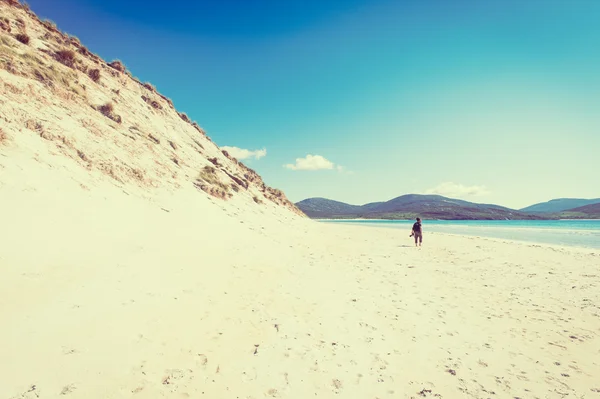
106, 295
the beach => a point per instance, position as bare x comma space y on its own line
141, 259
113, 295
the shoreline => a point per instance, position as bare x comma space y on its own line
575, 248
554, 236
458, 220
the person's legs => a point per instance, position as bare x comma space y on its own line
418, 239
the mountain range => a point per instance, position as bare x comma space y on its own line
443, 208
591, 211
559, 205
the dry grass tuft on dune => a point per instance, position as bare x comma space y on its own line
5, 24
23, 38
3, 136
117, 65
94, 74
184, 117
66, 57
149, 86
209, 182
108, 110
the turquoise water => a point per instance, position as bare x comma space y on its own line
578, 233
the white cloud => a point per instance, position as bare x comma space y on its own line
450, 189
310, 162
240, 153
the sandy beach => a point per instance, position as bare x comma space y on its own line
107, 295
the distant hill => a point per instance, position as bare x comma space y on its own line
560, 205
319, 207
410, 206
592, 208
591, 211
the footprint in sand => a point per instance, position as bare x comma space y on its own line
138, 389
68, 351
31, 393
337, 384
202, 360
68, 389
174, 377
249, 375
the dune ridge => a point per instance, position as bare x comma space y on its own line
59, 97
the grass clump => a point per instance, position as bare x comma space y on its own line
7, 56
118, 65
50, 25
168, 100
108, 110
74, 40
208, 174
84, 51
66, 57
184, 116
77, 89
50, 75
23, 38
154, 139
3, 136
5, 24
214, 161
94, 74
153, 103
198, 128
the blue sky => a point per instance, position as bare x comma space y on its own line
489, 101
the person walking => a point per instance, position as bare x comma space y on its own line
417, 232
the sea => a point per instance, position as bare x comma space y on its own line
575, 233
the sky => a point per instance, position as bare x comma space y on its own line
359, 101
